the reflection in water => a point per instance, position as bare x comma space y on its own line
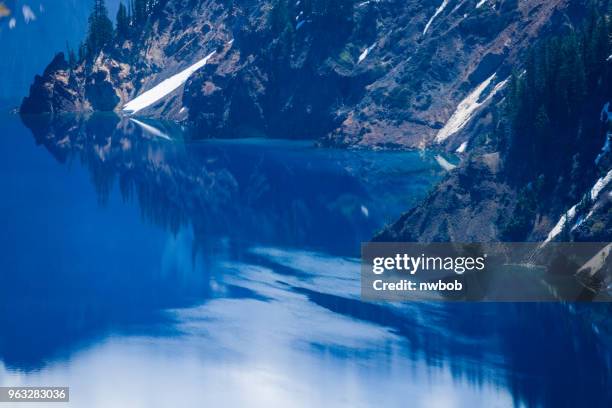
242, 285
274, 192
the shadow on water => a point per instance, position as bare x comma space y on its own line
212, 211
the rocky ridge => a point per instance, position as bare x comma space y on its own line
383, 74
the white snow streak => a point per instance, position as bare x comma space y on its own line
444, 163
466, 109
365, 3
571, 214
481, 3
461, 149
565, 219
600, 185
365, 53
436, 14
164, 88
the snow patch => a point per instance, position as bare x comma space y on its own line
565, 218
571, 214
481, 3
12, 23
436, 14
444, 163
365, 3
467, 108
166, 87
365, 53
600, 185
461, 149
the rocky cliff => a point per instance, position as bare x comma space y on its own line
382, 73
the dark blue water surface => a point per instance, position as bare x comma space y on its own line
144, 270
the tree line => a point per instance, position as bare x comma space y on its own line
547, 98
551, 119
130, 21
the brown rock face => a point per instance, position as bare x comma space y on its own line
53, 91
462, 208
100, 91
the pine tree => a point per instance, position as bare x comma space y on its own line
546, 103
100, 31
72, 61
82, 51
123, 22
140, 12
596, 50
572, 77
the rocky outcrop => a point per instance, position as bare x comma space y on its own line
464, 207
100, 86
54, 91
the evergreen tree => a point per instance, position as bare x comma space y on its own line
596, 49
100, 31
82, 51
551, 102
123, 22
72, 61
140, 12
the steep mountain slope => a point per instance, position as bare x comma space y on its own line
540, 168
388, 73
478, 202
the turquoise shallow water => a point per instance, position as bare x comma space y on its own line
143, 270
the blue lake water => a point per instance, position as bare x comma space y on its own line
145, 270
